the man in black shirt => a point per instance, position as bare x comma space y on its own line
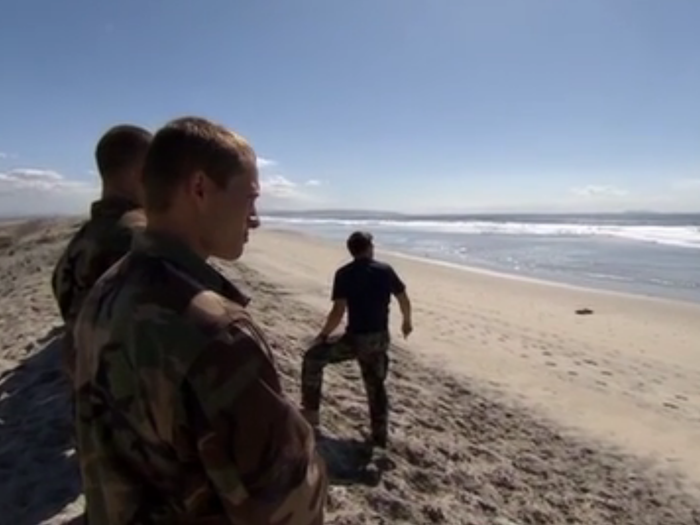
364, 288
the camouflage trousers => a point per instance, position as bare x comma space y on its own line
371, 352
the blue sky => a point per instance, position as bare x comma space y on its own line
492, 105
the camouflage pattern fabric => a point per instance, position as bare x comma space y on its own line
371, 352
99, 243
181, 418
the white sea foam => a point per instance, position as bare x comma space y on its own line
682, 236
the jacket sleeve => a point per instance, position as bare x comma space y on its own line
258, 451
62, 286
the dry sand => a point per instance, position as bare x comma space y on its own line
507, 407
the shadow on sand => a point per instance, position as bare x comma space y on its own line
38, 469
351, 461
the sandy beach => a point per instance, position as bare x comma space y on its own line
508, 408
629, 373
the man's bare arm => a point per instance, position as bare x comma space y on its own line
404, 306
334, 318
398, 288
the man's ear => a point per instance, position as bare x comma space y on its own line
197, 187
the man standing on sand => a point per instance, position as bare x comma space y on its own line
181, 415
107, 235
364, 288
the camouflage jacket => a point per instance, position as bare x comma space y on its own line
100, 242
180, 413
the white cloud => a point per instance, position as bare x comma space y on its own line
280, 187
593, 190
42, 191
686, 184
3, 155
41, 180
45, 191
265, 163
280, 192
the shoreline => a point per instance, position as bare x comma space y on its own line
537, 280
488, 271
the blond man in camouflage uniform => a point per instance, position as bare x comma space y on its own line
363, 288
107, 235
181, 416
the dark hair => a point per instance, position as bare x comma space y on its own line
187, 145
359, 242
121, 148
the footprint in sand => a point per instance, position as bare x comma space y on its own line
422, 481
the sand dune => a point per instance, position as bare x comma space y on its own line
508, 408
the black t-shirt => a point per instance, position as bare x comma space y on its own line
367, 286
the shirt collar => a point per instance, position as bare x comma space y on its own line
179, 254
112, 206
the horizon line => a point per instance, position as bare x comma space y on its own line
369, 213
470, 213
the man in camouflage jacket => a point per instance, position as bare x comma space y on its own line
107, 235
181, 415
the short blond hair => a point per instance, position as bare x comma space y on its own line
187, 145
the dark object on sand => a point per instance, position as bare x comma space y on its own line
584, 311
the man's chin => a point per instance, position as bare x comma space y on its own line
229, 255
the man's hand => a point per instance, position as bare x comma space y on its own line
320, 339
406, 328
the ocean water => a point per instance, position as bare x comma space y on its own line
645, 254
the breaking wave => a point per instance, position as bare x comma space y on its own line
687, 236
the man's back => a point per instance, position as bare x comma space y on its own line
100, 242
181, 416
367, 285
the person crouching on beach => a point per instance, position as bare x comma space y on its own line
363, 288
